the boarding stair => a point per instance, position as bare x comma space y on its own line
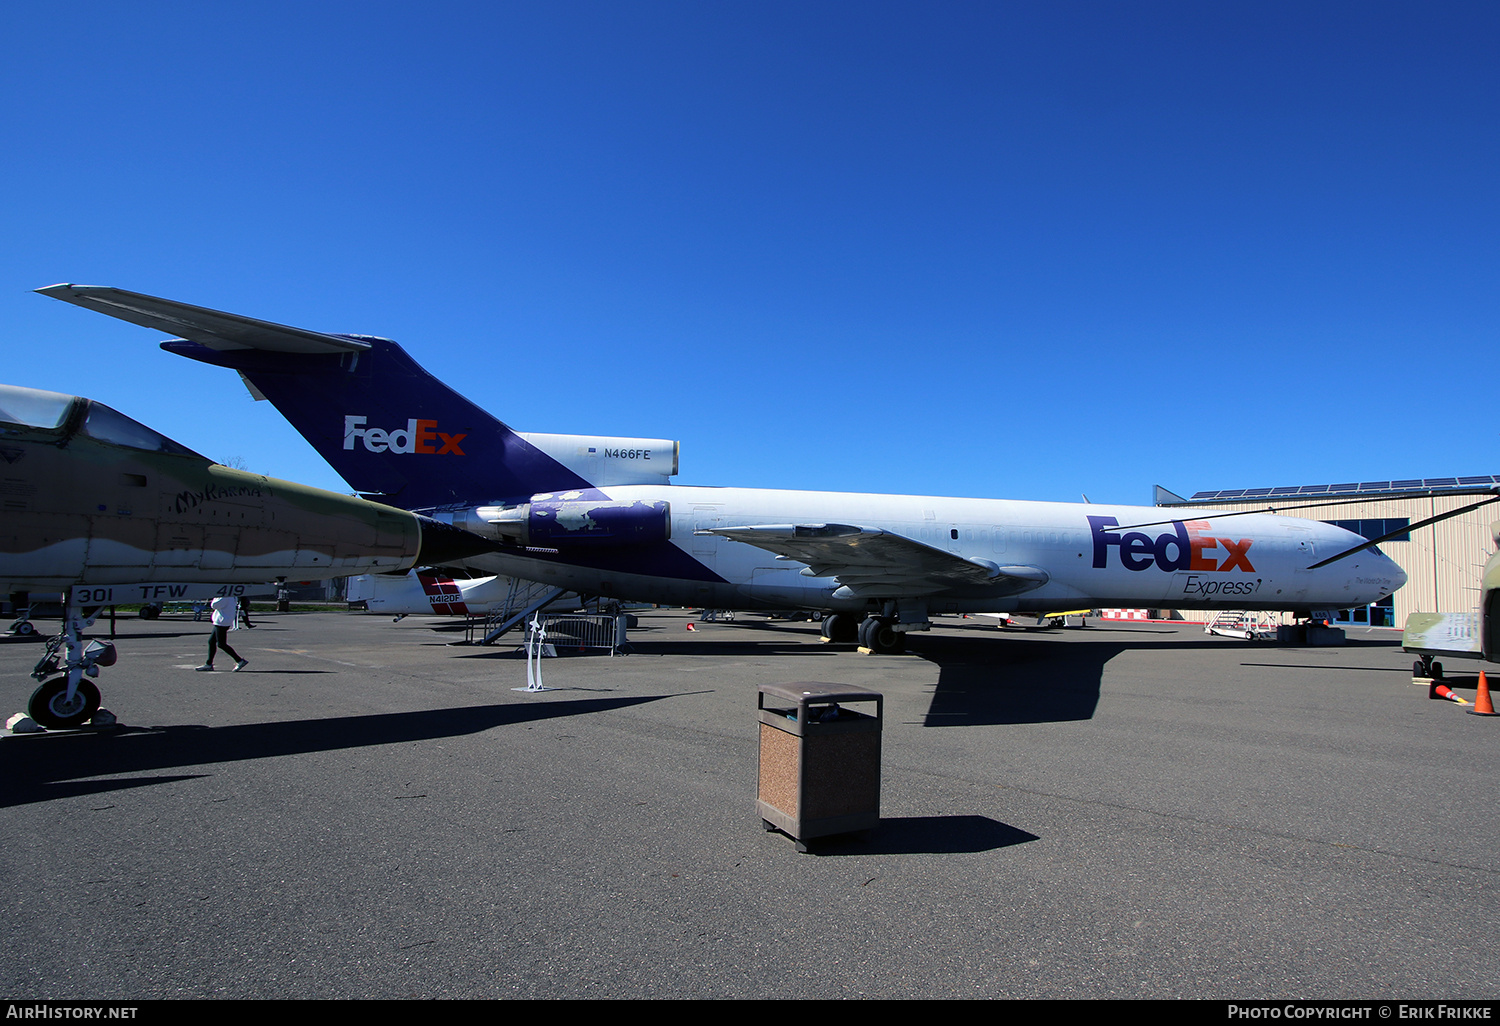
523, 599
1252, 625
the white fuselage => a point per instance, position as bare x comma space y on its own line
430, 592
1250, 561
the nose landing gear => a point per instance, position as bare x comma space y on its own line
52, 707
68, 700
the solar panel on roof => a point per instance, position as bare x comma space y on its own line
1349, 488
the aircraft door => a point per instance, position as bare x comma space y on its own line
705, 547
974, 540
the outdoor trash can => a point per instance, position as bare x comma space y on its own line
819, 760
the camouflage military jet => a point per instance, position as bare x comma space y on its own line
96, 505
1474, 635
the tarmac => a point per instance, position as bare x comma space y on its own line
1119, 811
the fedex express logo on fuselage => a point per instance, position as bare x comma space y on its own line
1185, 547
419, 436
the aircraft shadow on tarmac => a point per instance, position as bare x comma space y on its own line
925, 835
994, 680
44, 768
982, 678
733, 648
1030, 678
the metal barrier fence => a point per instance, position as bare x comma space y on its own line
578, 631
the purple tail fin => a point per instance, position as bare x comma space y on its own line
391, 429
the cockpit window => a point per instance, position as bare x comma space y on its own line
111, 426
31, 407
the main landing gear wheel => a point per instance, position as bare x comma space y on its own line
840, 628
50, 707
878, 635
1427, 667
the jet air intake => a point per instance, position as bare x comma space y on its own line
574, 523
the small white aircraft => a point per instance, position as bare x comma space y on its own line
598, 516
439, 593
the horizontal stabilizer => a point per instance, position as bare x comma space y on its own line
212, 328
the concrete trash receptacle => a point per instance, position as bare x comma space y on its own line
819, 760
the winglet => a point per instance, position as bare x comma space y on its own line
211, 328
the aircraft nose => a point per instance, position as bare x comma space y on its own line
1384, 570
1397, 574
1370, 574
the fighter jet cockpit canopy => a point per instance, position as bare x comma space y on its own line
68, 415
31, 407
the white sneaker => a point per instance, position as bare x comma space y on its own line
238, 666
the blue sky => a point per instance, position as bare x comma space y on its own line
1022, 250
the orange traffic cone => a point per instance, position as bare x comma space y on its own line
1482, 704
1444, 691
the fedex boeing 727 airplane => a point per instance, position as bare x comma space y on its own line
600, 515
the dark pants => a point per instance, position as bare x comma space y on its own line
219, 638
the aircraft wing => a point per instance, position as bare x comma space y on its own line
212, 328
868, 560
1448, 634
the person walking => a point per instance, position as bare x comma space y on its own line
225, 610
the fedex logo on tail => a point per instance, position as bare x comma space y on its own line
1185, 547
419, 436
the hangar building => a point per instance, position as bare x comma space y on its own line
1443, 561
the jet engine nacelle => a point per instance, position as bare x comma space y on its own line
570, 523
605, 461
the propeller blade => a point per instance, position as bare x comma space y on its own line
1286, 509
1403, 530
